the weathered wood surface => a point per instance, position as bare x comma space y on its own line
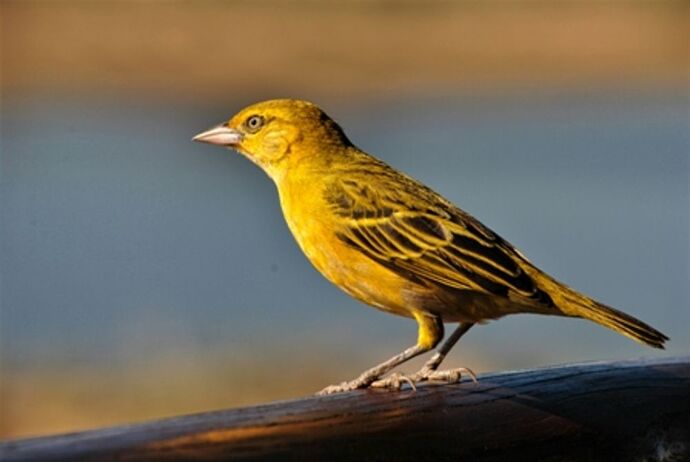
615, 411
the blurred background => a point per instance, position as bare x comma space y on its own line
144, 275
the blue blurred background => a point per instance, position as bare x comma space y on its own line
144, 275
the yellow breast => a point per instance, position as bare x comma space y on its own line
315, 229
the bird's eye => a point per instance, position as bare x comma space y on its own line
254, 123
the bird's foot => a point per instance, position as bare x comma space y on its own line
359, 382
449, 375
396, 380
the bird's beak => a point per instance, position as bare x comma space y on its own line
221, 135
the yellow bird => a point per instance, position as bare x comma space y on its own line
393, 243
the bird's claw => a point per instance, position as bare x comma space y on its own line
396, 380
448, 375
342, 387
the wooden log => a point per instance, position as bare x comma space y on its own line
604, 411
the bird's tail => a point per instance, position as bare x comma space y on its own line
573, 303
622, 323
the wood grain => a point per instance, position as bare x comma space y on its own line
632, 410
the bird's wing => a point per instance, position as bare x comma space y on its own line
422, 237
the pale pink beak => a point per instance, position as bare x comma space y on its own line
221, 135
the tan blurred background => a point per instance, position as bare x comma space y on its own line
337, 49
103, 195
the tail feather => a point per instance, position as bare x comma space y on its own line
572, 303
624, 324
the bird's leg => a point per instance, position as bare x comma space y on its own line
438, 357
430, 333
370, 375
429, 371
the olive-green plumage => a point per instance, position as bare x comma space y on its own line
474, 274
392, 242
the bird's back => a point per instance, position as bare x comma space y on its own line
394, 243
378, 225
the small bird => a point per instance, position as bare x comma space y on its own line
395, 244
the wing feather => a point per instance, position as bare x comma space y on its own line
431, 242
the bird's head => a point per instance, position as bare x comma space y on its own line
278, 133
